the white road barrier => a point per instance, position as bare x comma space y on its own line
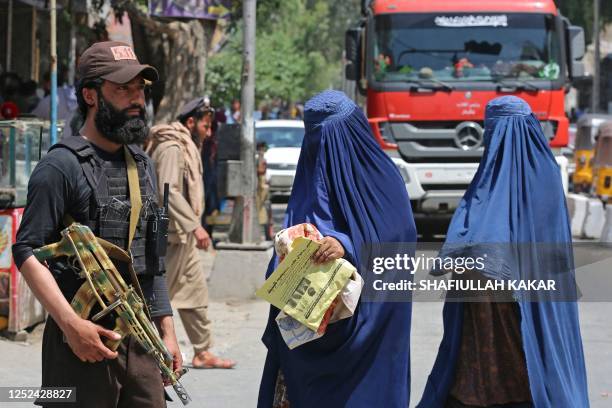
577, 207
606, 233
595, 219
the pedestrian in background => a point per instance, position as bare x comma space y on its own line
211, 173
234, 113
66, 102
175, 149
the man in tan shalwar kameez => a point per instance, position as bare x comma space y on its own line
175, 149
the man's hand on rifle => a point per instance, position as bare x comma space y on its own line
85, 340
168, 335
83, 336
202, 238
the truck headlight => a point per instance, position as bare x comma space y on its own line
403, 172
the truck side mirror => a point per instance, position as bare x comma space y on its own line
578, 70
576, 42
574, 37
352, 70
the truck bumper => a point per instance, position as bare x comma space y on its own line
435, 188
436, 202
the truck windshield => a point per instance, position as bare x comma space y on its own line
465, 47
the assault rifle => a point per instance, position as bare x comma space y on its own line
105, 286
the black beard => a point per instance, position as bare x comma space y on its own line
119, 127
196, 139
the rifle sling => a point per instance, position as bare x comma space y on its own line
136, 206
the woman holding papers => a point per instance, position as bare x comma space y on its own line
348, 188
527, 350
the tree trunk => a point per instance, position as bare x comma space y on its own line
179, 51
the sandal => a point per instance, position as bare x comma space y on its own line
211, 361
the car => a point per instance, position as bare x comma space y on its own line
283, 141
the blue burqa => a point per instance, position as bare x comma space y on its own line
349, 189
515, 206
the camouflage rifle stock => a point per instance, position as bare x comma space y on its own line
105, 286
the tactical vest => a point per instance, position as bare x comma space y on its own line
109, 204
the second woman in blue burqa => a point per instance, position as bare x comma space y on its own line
525, 351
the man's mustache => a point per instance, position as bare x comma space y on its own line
141, 109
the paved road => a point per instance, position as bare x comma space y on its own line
239, 327
237, 331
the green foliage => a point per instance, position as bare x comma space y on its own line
299, 50
223, 72
580, 12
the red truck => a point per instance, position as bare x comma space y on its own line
428, 69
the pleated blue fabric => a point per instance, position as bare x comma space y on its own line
515, 211
349, 189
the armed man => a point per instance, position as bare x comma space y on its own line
99, 178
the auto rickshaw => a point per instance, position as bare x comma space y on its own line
603, 163
584, 147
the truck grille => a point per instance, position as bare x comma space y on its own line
448, 141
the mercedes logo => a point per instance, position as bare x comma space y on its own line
468, 136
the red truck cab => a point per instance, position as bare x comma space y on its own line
428, 69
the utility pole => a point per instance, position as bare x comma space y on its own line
596, 71
34, 58
53, 99
245, 254
9, 35
72, 52
245, 224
